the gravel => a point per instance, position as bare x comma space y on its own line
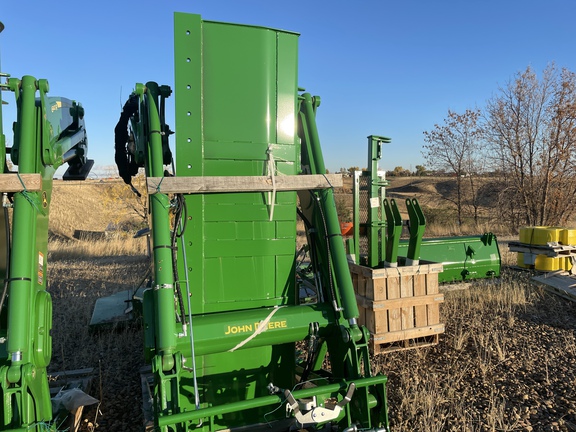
496, 368
505, 362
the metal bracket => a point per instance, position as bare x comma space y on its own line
308, 412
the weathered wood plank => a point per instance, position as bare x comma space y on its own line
559, 283
400, 302
394, 314
400, 345
407, 291
420, 316
216, 184
425, 267
551, 250
412, 333
11, 183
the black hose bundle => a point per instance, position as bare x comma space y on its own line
127, 167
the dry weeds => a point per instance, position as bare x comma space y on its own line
504, 364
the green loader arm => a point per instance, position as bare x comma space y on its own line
48, 132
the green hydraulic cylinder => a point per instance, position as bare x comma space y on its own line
338, 253
161, 240
20, 287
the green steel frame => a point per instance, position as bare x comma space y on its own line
223, 315
372, 223
48, 132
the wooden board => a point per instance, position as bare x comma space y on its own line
12, 182
560, 283
409, 334
425, 267
552, 250
216, 184
413, 301
378, 347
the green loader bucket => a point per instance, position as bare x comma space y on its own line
463, 258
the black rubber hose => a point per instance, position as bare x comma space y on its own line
127, 167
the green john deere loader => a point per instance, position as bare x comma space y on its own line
224, 320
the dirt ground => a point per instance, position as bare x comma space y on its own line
496, 367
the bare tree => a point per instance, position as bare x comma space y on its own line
531, 130
452, 147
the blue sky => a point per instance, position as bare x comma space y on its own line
390, 68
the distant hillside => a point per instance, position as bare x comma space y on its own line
436, 196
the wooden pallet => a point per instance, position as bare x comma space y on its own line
378, 347
399, 306
560, 283
552, 250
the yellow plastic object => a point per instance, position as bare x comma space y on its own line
526, 235
568, 236
540, 235
520, 260
566, 263
544, 263
554, 233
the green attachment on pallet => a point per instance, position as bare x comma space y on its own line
463, 258
417, 224
368, 207
394, 231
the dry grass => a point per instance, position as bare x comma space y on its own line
93, 206
117, 244
80, 272
504, 364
